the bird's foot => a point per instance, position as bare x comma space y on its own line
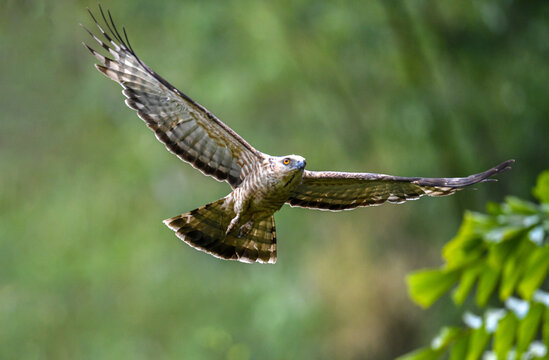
232, 224
245, 229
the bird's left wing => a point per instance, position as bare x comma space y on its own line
328, 190
186, 128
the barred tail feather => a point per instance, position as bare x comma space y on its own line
205, 229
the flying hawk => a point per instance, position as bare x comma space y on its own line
241, 225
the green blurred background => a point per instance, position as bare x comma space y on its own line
415, 88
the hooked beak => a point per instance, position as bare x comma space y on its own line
301, 164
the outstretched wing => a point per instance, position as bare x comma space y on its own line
336, 191
184, 126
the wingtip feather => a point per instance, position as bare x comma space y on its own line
104, 70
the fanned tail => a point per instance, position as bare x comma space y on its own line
205, 229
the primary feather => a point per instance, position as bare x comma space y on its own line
184, 126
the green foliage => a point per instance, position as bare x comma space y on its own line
508, 247
541, 191
427, 286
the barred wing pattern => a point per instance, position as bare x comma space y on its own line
205, 229
184, 126
327, 190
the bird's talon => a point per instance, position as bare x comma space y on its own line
244, 229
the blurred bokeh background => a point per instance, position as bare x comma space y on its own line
415, 88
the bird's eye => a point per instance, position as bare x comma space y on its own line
286, 161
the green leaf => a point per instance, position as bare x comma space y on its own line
541, 190
493, 208
423, 354
447, 335
470, 252
536, 271
514, 268
505, 335
528, 327
467, 245
426, 286
519, 206
500, 252
467, 280
502, 234
545, 327
459, 350
477, 343
486, 284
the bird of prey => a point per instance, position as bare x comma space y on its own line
241, 225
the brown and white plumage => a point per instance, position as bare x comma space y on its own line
185, 127
330, 190
241, 225
203, 227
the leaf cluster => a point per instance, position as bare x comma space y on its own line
506, 254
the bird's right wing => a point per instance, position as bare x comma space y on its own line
184, 126
329, 190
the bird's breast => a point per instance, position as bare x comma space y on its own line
265, 192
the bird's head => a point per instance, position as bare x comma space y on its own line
287, 170
289, 163
286, 166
